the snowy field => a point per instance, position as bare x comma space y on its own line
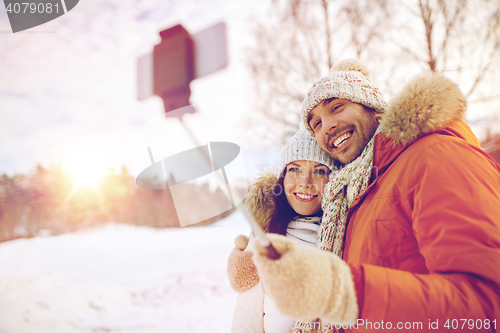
120, 278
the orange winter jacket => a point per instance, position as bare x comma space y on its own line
423, 241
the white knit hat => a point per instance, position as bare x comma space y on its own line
349, 79
302, 147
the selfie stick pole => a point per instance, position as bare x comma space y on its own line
257, 229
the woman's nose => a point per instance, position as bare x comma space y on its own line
305, 182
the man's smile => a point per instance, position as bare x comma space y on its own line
339, 141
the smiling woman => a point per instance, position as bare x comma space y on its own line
303, 185
288, 203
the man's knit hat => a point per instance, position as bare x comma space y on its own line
302, 147
349, 79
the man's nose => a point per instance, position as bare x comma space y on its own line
329, 124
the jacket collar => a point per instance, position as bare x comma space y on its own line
427, 103
430, 103
386, 151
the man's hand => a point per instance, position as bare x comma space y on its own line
241, 271
307, 283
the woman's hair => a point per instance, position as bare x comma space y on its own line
283, 212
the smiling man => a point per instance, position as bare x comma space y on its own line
410, 236
343, 128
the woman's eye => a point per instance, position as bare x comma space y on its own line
293, 169
320, 172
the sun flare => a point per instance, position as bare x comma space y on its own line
87, 177
86, 173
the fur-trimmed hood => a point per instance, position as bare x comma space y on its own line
260, 198
428, 103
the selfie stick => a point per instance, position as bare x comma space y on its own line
271, 252
264, 242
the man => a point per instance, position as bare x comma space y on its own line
414, 214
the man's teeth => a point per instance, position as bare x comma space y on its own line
304, 196
341, 140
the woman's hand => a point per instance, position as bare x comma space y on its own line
241, 270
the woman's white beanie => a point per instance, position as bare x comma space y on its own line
302, 147
349, 79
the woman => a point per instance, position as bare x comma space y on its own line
289, 205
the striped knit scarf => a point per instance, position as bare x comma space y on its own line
342, 189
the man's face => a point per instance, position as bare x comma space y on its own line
343, 128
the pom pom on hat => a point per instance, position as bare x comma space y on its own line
349, 79
353, 65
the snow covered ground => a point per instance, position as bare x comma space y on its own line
120, 278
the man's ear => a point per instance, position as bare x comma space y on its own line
376, 115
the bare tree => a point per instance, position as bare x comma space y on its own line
302, 39
491, 144
462, 39
297, 45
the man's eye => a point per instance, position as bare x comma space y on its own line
316, 124
336, 108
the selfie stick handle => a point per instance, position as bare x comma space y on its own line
260, 235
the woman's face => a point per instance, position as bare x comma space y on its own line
303, 185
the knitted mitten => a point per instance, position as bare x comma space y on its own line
307, 283
241, 270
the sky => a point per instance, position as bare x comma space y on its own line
68, 88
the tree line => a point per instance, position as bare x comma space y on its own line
49, 202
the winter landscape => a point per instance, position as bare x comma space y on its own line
82, 247
120, 278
